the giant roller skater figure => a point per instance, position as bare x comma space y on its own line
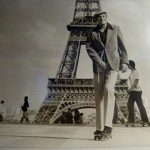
106, 48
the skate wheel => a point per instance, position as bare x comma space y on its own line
96, 138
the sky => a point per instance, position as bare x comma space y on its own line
33, 36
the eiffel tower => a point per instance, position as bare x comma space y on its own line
65, 91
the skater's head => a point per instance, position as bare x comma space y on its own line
131, 64
101, 18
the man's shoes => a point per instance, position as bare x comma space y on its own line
131, 124
107, 133
145, 123
98, 135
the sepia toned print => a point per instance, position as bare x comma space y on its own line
72, 59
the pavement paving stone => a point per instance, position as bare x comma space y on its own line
70, 137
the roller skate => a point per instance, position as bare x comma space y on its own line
107, 133
145, 123
98, 135
130, 124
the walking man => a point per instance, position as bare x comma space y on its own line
135, 95
106, 48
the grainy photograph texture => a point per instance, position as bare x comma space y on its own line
74, 74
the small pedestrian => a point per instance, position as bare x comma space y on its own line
25, 110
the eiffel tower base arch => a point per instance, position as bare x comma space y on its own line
73, 93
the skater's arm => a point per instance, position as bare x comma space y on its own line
92, 52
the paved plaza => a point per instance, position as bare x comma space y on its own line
70, 137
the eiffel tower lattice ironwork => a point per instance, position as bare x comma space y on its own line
65, 91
